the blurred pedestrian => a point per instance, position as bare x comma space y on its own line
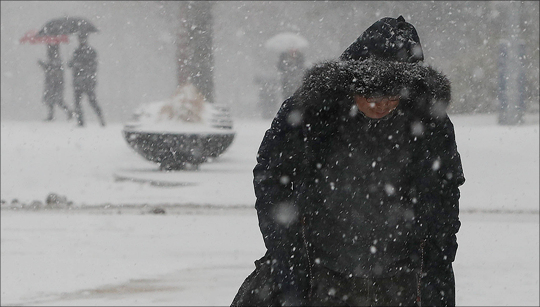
291, 68
53, 93
269, 89
84, 65
357, 182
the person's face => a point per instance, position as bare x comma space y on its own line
376, 107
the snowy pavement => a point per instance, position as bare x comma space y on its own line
200, 259
108, 248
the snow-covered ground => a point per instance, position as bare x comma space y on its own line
108, 248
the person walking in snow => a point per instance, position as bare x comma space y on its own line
357, 182
84, 65
291, 68
53, 93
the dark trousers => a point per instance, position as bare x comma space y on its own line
331, 288
53, 97
93, 103
61, 104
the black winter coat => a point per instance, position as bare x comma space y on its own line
358, 195
54, 81
84, 65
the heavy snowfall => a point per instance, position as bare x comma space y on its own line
86, 220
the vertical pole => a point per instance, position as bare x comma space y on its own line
511, 112
521, 81
502, 78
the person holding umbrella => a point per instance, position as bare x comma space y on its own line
84, 62
84, 66
53, 93
291, 63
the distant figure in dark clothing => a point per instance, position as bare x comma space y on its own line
268, 94
54, 82
291, 68
84, 65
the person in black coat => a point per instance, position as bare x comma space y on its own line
84, 66
357, 182
53, 93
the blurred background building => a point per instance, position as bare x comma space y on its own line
137, 48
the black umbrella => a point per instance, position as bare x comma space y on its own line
67, 25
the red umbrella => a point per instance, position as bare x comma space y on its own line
30, 37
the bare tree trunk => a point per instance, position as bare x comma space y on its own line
194, 47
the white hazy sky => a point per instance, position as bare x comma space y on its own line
137, 52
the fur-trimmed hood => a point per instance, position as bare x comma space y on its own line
423, 90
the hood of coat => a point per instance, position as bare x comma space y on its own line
385, 60
388, 38
332, 86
